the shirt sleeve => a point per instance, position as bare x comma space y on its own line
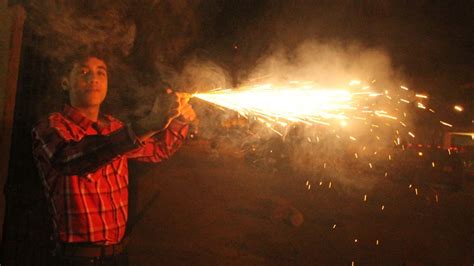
161, 146
70, 157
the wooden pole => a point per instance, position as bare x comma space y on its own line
18, 16
7, 105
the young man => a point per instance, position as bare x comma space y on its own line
82, 156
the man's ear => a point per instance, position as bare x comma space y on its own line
65, 84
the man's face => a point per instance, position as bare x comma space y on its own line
87, 83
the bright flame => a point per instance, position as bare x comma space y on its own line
300, 104
353, 107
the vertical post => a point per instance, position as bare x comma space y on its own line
12, 40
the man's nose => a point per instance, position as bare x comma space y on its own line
93, 78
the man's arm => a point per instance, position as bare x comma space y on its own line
162, 145
70, 157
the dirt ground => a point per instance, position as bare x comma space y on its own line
216, 209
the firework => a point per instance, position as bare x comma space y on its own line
304, 102
271, 104
363, 118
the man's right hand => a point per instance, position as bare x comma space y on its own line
165, 108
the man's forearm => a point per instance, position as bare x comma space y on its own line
163, 144
76, 158
141, 131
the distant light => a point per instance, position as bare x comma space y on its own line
421, 96
458, 108
343, 123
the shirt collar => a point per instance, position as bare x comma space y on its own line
77, 117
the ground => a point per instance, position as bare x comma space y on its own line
214, 208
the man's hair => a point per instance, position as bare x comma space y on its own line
83, 53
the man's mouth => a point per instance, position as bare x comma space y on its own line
92, 90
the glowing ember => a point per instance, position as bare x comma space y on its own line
458, 108
446, 124
404, 88
420, 105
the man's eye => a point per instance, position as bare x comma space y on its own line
84, 71
102, 73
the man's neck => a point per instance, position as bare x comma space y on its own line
91, 112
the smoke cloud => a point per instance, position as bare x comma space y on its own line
64, 27
197, 75
330, 64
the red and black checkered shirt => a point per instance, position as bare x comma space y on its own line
84, 170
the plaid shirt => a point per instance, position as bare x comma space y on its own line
84, 170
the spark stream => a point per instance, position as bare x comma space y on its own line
305, 103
